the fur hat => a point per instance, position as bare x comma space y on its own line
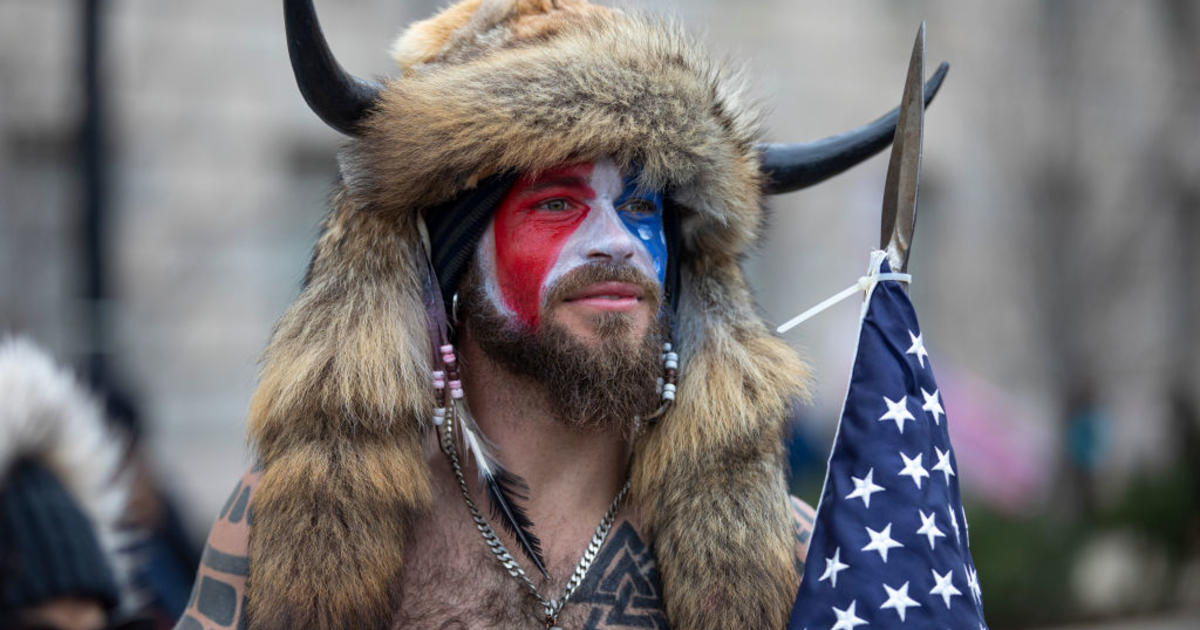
489, 87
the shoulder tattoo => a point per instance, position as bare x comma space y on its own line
802, 526
219, 593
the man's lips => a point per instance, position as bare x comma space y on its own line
608, 296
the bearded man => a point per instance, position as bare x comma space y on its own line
528, 289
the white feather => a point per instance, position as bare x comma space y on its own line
473, 442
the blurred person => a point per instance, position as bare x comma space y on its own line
63, 556
166, 551
528, 288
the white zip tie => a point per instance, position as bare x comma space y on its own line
865, 284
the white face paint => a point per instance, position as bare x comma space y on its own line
485, 253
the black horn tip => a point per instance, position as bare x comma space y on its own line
791, 167
934, 84
341, 99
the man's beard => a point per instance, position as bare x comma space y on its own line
605, 384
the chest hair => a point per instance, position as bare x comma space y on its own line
452, 581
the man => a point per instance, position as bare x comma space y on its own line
528, 289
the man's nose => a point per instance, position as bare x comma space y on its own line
612, 241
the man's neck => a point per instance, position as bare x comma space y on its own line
573, 472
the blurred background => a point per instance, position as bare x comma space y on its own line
161, 183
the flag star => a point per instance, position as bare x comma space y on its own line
917, 347
913, 468
943, 464
944, 586
833, 566
933, 405
953, 522
864, 488
929, 528
973, 583
898, 411
899, 600
847, 619
881, 541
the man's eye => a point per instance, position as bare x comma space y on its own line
639, 207
555, 205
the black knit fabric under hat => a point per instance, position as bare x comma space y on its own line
456, 226
48, 547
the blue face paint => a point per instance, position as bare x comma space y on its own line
642, 214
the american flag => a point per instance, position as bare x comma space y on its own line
889, 548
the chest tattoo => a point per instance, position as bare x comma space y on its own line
446, 591
622, 589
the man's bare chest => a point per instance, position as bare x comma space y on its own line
464, 587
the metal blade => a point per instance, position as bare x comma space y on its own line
904, 169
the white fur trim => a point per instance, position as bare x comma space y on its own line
46, 415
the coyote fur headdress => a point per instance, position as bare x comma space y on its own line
488, 87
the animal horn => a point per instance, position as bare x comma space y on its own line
341, 99
790, 167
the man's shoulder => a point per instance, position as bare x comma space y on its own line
803, 516
218, 595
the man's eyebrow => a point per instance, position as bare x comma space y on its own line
565, 181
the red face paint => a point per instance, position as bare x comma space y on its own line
530, 227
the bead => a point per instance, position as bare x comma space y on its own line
447, 349
438, 374
456, 394
671, 365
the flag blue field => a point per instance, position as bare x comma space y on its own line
890, 546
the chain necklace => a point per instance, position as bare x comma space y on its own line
550, 607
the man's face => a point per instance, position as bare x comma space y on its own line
551, 234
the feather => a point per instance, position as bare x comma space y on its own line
505, 491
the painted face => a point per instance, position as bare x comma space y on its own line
564, 218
